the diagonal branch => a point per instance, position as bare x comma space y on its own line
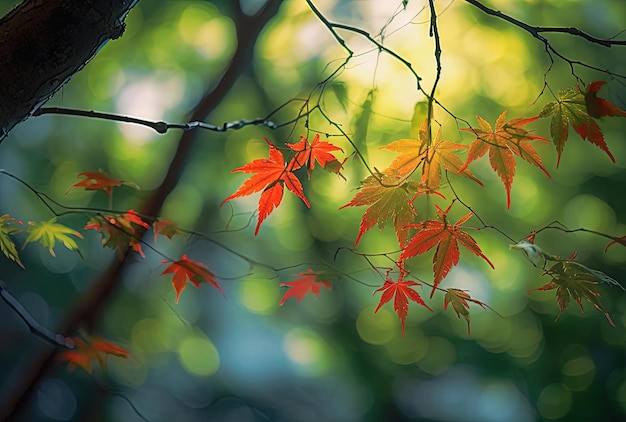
536, 32
57, 340
332, 27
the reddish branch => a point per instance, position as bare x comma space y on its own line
88, 309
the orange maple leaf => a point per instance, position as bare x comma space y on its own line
446, 237
434, 157
119, 231
96, 181
270, 176
507, 140
94, 348
308, 153
186, 269
307, 283
401, 292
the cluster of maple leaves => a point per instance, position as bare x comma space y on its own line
388, 194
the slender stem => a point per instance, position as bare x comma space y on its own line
434, 32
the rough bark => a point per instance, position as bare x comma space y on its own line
43, 43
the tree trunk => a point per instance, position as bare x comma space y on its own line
43, 43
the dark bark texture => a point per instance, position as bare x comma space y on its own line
43, 43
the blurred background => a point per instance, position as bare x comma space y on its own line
244, 357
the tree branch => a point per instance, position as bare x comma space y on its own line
159, 127
536, 31
57, 340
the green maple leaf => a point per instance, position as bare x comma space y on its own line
572, 108
389, 198
575, 280
7, 246
49, 232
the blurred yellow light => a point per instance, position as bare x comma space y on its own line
308, 350
198, 355
554, 401
377, 328
259, 295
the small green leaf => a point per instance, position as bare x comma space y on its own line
49, 232
7, 246
361, 123
420, 114
340, 91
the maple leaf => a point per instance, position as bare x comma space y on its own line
49, 232
99, 180
572, 107
166, 228
573, 279
598, 107
435, 157
401, 291
119, 231
186, 269
507, 140
458, 298
93, 348
389, 198
7, 246
308, 282
446, 237
308, 153
270, 176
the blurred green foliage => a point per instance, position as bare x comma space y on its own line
327, 358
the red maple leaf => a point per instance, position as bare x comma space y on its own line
186, 269
308, 153
598, 107
119, 231
503, 143
307, 283
270, 176
401, 291
94, 348
446, 237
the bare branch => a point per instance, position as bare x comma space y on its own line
159, 127
536, 31
57, 340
